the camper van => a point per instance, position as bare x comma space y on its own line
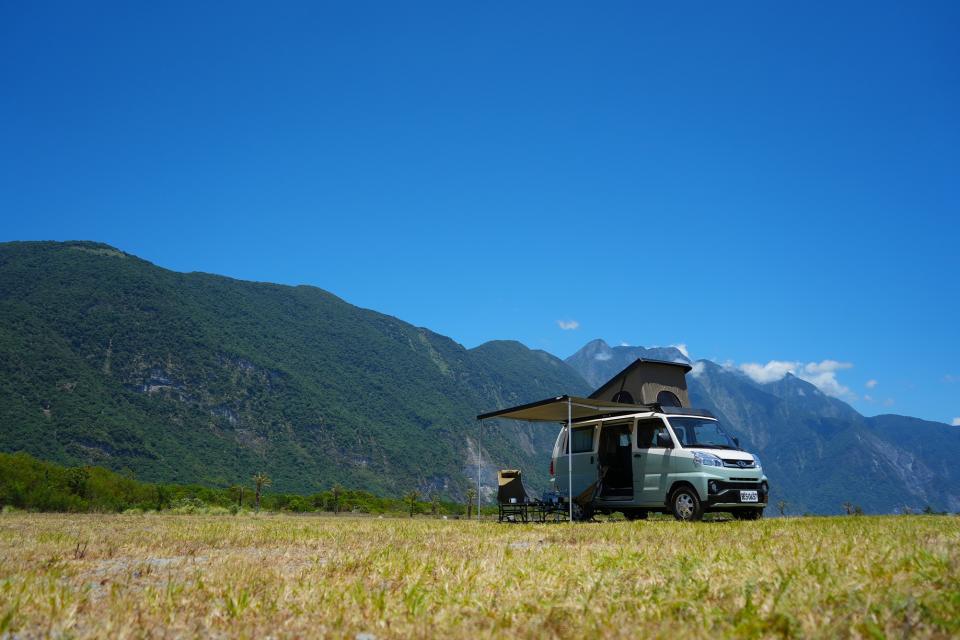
637, 446
671, 460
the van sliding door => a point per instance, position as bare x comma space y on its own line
584, 461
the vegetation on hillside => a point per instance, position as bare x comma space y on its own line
106, 359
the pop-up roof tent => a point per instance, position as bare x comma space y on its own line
641, 386
648, 382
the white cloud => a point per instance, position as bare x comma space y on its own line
624, 344
822, 375
682, 348
568, 325
871, 384
950, 379
697, 369
868, 398
770, 372
888, 402
956, 422
602, 356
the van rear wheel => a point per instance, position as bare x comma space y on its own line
686, 505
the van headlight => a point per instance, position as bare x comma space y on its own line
756, 461
706, 459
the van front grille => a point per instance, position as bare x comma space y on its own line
738, 483
739, 464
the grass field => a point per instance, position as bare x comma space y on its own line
286, 576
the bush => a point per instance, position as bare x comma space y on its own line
188, 506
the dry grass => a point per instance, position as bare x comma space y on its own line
212, 576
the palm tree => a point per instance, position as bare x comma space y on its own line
335, 494
412, 498
237, 492
471, 497
261, 480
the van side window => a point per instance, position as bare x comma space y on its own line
681, 433
583, 439
647, 431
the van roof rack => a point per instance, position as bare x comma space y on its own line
655, 408
684, 411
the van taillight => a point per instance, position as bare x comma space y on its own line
551, 466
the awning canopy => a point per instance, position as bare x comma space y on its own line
556, 409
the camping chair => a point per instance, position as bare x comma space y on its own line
585, 501
513, 503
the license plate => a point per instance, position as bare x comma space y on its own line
749, 496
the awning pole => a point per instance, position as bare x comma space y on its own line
479, 467
570, 456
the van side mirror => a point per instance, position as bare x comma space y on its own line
663, 440
736, 441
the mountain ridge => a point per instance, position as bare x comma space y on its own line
108, 359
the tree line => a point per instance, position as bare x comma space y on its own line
36, 485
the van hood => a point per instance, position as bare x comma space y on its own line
726, 454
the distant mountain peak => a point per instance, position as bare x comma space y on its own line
597, 361
597, 343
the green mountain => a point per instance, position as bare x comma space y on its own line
187, 377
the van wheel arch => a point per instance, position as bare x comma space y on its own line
673, 489
685, 503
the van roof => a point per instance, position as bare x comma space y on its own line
654, 409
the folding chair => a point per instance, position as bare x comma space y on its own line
513, 502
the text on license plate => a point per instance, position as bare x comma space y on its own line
749, 496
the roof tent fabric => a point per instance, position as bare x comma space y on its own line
555, 409
644, 380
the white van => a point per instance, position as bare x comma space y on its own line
670, 460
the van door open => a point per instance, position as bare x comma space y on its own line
614, 451
584, 461
651, 463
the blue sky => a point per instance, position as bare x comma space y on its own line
758, 181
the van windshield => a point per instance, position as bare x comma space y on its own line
698, 432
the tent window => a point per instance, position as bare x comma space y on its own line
583, 439
668, 399
623, 396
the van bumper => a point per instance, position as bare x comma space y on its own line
726, 493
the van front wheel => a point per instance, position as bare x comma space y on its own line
686, 505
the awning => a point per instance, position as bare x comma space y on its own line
565, 409
556, 410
